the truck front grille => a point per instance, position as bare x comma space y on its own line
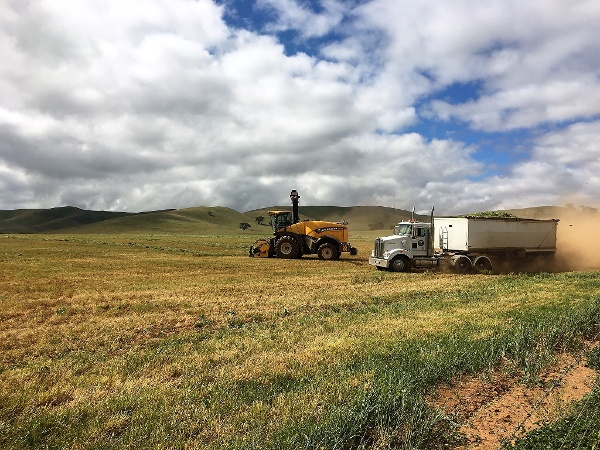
378, 248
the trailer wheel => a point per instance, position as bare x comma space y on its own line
482, 264
287, 247
400, 264
328, 251
462, 264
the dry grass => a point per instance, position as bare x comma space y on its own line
184, 341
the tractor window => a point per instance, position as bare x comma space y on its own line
281, 220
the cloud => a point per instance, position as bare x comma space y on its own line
299, 17
527, 106
156, 104
532, 70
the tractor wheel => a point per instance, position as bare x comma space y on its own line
400, 264
287, 247
328, 251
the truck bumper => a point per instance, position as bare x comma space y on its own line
379, 262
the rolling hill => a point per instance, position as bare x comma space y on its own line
198, 220
45, 220
221, 220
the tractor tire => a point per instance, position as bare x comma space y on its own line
400, 264
328, 252
287, 247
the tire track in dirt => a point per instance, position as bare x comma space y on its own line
495, 407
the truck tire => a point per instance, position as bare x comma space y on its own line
461, 264
400, 264
328, 251
287, 247
482, 264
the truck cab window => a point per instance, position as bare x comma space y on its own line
404, 230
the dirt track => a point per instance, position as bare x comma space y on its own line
498, 408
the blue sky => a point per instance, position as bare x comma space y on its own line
463, 105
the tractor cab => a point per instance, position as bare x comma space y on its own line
280, 219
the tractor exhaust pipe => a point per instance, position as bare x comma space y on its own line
295, 197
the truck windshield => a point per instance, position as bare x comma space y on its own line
404, 229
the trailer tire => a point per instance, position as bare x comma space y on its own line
482, 264
287, 247
328, 251
400, 264
462, 264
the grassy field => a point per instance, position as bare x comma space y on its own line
182, 341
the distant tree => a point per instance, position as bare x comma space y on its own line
244, 225
259, 219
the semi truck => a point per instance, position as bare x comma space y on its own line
293, 238
467, 244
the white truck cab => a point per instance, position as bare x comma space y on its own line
411, 240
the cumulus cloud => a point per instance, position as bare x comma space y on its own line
301, 18
155, 104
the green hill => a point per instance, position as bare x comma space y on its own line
198, 220
45, 220
221, 220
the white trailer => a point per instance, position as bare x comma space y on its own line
480, 235
466, 244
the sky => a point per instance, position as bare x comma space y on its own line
461, 105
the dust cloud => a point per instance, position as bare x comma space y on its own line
577, 241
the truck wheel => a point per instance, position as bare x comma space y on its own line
400, 264
482, 264
287, 247
462, 264
328, 251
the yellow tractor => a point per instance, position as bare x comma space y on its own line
293, 238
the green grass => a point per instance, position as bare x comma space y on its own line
173, 341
